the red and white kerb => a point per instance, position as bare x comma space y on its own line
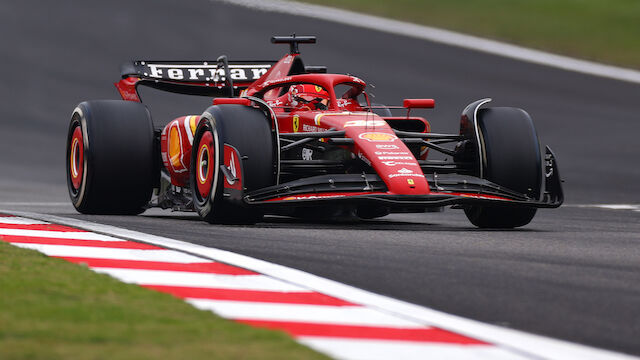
334, 326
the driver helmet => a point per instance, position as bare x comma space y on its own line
307, 95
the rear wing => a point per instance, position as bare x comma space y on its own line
207, 78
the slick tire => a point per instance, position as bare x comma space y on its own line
248, 130
110, 157
513, 160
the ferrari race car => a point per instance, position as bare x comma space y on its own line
288, 139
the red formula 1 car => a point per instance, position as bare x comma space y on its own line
288, 139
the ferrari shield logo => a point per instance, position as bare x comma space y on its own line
296, 123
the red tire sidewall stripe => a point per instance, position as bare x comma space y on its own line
206, 152
76, 158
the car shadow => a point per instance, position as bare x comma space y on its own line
374, 224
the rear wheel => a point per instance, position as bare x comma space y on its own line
513, 160
248, 131
110, 157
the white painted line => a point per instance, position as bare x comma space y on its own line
66, 204
619, 207
440, 36
633, 207
361, 349
16, 220
110, 253
202, 280
534, 346
324, 314
76, 235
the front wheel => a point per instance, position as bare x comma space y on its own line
512, 159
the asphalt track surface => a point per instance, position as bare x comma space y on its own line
573, 273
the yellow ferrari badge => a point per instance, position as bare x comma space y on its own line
296, 123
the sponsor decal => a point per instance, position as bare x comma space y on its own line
391, 153
479, 196
408, 175
296, 123
387, 147
311, 128
202, 72
311, 197
275, 81
307, 154
275, 103
396, 163
395, 157
344, 102
410, 182
365, 123
404, 172
377, 137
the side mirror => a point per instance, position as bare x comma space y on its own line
419, 103
234, 101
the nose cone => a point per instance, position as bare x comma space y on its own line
388, 155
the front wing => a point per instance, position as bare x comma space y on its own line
446, 189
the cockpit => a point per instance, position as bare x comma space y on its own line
316, 92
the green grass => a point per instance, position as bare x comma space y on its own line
599, 30
52, 309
